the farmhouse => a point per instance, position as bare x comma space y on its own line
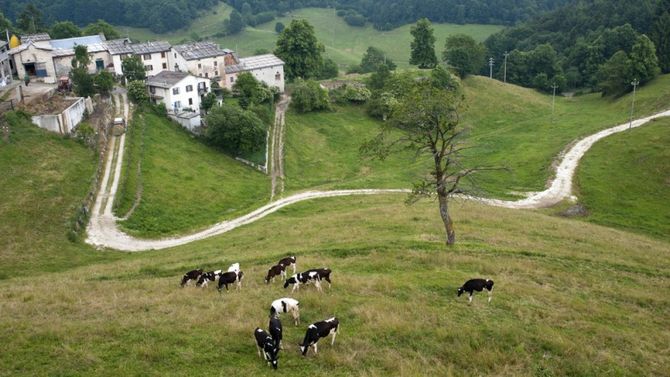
265, 68
179, 91
47, 59
203, 59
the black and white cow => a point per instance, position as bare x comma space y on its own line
191, 275
266, 347
288, 261
310, 276
478, 285
274, 271
319, 330
235, 267
286, 305
231, 277
207, 277
276, 330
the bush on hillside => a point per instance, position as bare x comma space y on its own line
309, 96
234, 130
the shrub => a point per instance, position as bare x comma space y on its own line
357, 95
309, 96
137, 92
234, 130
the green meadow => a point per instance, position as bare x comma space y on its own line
624, 180
345, 44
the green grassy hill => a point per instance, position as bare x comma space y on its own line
624, 180
186, 185
570, 299
44, 181
508, 126
345, 44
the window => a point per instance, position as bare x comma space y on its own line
215, 63
163, 54
216, 73
152, 89
177, 105
278, 76
190, 101
164, 65
189, 88
175, 55
175, 90
147, 56
199, 65
207, 74
148, 67
232, 79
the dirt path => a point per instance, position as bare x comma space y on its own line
277, 148
103, 231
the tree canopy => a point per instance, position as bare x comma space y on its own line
64, 29
464, 54
133, 68
423, 45
234, 130
298, 47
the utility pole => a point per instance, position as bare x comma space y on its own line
635, 83
506, 54
490, 68
553, 100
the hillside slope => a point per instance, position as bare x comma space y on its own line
570, 298
43, 182
624, 181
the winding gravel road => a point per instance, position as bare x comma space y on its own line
103, 231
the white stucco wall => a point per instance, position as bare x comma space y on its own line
170, 99
35, 55
269, 76
66, 121
156, 62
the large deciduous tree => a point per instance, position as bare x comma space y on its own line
235, 23
30, 20
373, 58
133, 69
234, 130
464, 54
423, 45
660, 35
298, 47
64, 29
103, 27
428, 117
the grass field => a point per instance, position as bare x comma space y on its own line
508, 126
570, 299
44, 180
344, 44
322, 151
637, 163
186, 184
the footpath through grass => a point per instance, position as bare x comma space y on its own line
187, 185
571, 298
344, 43
44, 180
624, 180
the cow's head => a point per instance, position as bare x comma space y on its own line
289, 281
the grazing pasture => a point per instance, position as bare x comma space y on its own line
345, 44
570, 298
637, 163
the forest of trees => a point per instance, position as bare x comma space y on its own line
158, 15
575, 46
388, 14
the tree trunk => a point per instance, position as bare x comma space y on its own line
446, 219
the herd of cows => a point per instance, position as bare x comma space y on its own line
269, 344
